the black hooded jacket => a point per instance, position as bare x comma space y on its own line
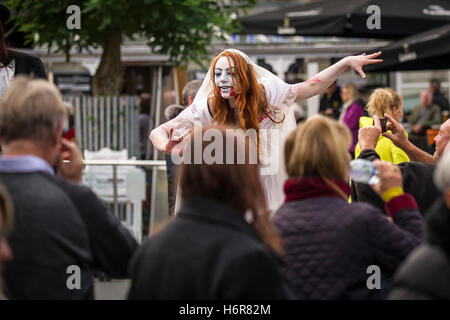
426, 272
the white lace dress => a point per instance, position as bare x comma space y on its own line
280, 97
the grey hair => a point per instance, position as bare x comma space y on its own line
172, 111
442, 172
190, 90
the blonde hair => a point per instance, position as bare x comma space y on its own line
32, 110
352, 91
383, 100
319, 147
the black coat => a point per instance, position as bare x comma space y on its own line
334, 103
426, 272
417, 181
58, 224
27, 65
207, 252
440, 100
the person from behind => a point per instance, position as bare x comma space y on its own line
330, 103
60, 226
352, 110
190, 91
329, 243
171, 112
384, 101
144, 122
426, 272
221, 244
6, 222
438, 98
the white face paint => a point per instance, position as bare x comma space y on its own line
224, 76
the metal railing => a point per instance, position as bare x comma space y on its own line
107, 122
154, 164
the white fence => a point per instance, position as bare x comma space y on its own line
111, 122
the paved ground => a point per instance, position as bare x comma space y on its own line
111, 290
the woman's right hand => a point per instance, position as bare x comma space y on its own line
172, 144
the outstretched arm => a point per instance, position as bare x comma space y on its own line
326, 77
163, 138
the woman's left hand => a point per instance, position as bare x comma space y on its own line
357, 62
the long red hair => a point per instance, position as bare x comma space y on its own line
251, 102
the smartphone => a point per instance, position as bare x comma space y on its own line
383, 122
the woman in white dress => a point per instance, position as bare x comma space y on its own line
237, 91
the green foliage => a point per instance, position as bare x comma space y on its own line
180, 28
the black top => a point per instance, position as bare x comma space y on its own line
27, 65
58, 224
207, 252
426, 272
440, 100
333, 103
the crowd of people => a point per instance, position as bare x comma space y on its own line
237, 233
344, 104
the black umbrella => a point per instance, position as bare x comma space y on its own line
427, 50
348, 18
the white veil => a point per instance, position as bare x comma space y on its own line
280, 93
261, 75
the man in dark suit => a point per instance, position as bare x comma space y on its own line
62, 230
23, 63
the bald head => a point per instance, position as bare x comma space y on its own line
442, 139
442, 176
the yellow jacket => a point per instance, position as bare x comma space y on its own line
385, 148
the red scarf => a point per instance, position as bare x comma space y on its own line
312, 187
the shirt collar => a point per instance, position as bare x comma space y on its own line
24, 164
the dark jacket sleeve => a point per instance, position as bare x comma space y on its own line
405, 293
138, 288
440, 100
255, 275
38, 69
393, 241
28, 65
112, 244
424, 275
